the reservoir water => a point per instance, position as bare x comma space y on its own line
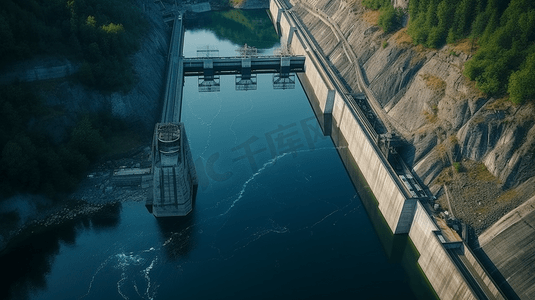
276, 216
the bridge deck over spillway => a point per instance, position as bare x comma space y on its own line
174, 179
237, 65
179, 67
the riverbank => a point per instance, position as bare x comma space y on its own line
403, 212
96, 194
69, 99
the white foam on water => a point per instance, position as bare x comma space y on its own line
266, 165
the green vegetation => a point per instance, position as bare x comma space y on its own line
385, 44
236, 2
389, 18
457, 166
100, 33
30, 162
251, 27
505, 34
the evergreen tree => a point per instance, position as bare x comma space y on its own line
506, 32
522, 82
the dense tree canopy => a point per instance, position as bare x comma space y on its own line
505, 33
389, 18
101, 33
30, 162
506, 56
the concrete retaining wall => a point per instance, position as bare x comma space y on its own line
434, 259
403, 214
482, 273
317, 78
391, 198
65, 68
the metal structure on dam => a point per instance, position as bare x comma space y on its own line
174, 179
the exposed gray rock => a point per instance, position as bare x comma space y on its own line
429, 167
454, 111
387, 85
38, 68
478, 137
426, 96
404, 4
138, 107
424, 143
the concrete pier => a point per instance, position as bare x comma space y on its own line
174, 180
174, 177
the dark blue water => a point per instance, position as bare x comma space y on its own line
276, 216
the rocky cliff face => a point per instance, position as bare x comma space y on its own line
140, 106
425, 96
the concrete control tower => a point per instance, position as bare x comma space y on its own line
174, 178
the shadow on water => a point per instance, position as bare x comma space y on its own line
106, 219
28, 260
253, 27
178, 235
399, 249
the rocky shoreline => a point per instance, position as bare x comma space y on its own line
95, 195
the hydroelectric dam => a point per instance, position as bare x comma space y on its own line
368, 150
353, 123
276, 214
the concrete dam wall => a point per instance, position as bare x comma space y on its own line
358, 142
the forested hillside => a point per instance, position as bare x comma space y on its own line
502, 33
503, 30
30, 162
100, 33
390, 18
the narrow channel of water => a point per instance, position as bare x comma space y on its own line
276, 216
